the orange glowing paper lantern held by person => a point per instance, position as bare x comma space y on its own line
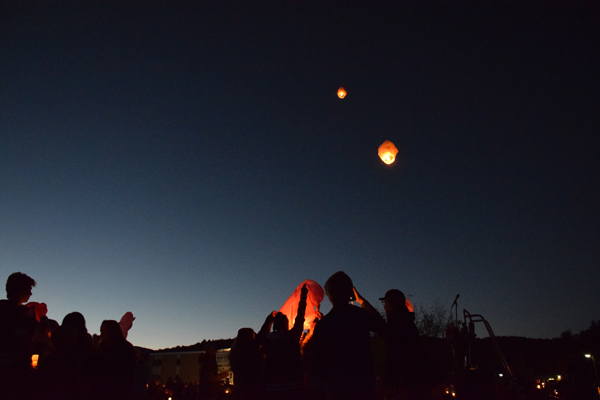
341, 93
316, 295
387, 152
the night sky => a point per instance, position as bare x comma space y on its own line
190, 161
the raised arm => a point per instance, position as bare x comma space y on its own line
363, 302
299, 321
377, 321
266, 328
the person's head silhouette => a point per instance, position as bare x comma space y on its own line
210, 349
18, 288
110, 332
280, 323
394, 300
339, 288
245, 335
75, 320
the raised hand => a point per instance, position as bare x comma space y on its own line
304, 291
359, 298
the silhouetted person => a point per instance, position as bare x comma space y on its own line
209, 378
42, 345
245, 361
18, 326
117, 362
85, 344
86, 351
283, 365
341, 364
169, 386
405, 373
60, 372
178, 388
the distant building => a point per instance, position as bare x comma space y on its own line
183, 365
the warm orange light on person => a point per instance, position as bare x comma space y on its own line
341, 93
387, 152
34, 360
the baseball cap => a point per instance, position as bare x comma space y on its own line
394, 296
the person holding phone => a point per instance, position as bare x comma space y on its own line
340, 360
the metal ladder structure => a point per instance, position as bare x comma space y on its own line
470, 382
469, 321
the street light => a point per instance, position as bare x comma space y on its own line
595, 371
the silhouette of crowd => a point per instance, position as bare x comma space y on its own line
71, 363
281, 361
337, 362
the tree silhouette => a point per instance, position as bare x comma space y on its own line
432, 321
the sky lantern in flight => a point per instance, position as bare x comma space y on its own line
341, 92
387, 152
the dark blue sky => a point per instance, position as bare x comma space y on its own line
190, 161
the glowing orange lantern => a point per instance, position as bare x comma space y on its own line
341, 92
387, 152
408, 304
34, 360
311, 312
313, 301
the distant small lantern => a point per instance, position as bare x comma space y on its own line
387, 152
341, 92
